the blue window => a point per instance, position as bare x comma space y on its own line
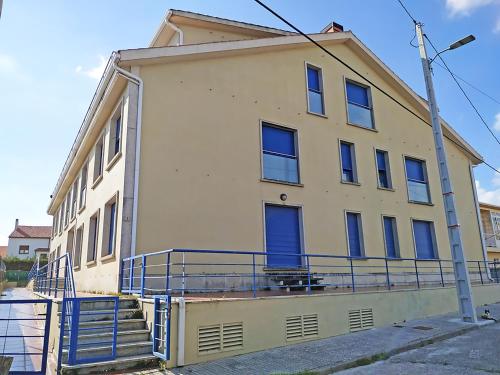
280, 161
359, 107
416, 176
283, 237
391, 237
383, 170
315, 90
348, 162
111, 227
118, 131
354, 234
425, 241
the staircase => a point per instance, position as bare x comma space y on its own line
134, 345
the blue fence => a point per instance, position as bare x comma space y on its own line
55, 279
181, 271
77, 333
25, 334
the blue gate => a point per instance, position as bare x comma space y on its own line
161, 327
76, 323
25, 334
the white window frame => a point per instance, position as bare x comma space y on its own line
353, 160
370, 100
388, 166
426, 176
322, 88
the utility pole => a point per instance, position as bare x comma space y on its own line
463, 286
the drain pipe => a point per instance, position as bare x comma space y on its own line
177, 30
181, 331
478, 215
138, 81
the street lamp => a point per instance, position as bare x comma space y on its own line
457, 44
464, 290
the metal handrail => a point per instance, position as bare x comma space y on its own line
139, 275
48, 278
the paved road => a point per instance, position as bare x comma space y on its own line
474, 353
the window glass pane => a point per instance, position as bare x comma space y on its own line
415, 169
353, 233
345, 149
313, 79
418, 192
280, 168
360, 115
278, 140
118, 126
111, 239
381, 160
390, 237
424, 243
357, 94
315, 102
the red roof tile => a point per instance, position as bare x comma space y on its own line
26, 231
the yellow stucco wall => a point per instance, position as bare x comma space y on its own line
264, 319
200, 176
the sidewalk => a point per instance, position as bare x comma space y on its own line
340, 352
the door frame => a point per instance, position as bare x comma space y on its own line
300, 208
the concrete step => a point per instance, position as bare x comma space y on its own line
122, 350
137, 362
123, 325
107, 315
122, 338
124, 303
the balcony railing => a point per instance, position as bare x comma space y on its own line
179, 272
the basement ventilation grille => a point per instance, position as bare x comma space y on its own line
220, 337
360, 319
301, 326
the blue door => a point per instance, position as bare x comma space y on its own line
283, 237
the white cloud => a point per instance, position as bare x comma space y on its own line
496, 29
95, 72
490, 196
496, 125
464, 7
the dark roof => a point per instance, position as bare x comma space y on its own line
27, 231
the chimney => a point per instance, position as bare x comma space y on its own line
333, 27
17, 223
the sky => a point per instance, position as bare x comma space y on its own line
52, 54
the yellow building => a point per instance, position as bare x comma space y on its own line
490, 218
232, 136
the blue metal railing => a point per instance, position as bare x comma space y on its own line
34, 270
181, 271
71, 348
55, 279
23, 336
3, 271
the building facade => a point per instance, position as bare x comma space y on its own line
231, 136
27, 241
490, 217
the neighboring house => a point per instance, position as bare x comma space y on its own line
3, 251
490, 217
27, 241
246, 137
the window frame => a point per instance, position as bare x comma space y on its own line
67, 208
370, 101
98, 169
74, 198
308, 65
82, 192
396, 237
70, 251
360, 233
78, 247
388, 169
25, 251
105, 254
426, 176
114, 155
353, 161
61, 217
93, 245
295, 132
434, 239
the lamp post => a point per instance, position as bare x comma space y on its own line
463, 286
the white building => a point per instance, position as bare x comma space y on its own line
26, 241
